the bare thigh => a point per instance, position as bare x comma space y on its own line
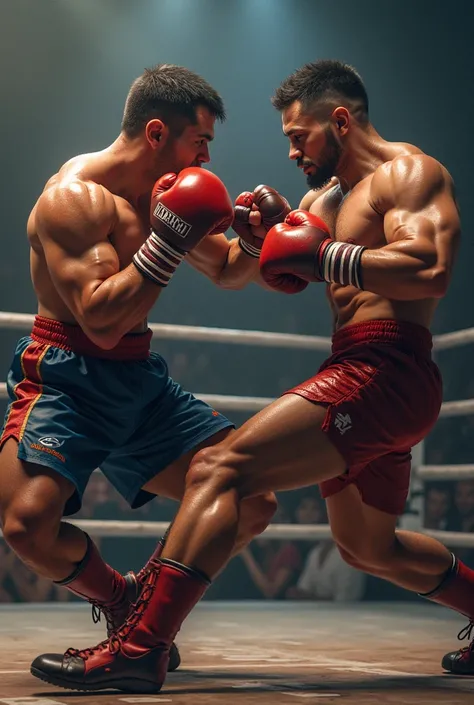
170, 482
281, 448
255, 512
362, 531
31, 495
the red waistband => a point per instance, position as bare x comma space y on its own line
135, 346
400, 334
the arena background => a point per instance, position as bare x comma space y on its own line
65, 69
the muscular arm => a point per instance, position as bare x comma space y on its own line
225, 263
421, 225
74, 221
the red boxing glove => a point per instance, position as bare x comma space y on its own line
273, 209
184, 208
301, 250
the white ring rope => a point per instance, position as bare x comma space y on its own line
300, 532
445, 472
24, 321
457, 408
144, 529
226, 402
453, 340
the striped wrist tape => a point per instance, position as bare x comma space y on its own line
157, 259
341, 262
249, 249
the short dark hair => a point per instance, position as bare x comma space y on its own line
171, 93
323, 80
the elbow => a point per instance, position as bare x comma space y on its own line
104, 331
105, 337
439, 282
230, 284
235, 286
107, 342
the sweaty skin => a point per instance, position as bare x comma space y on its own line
407, 204
86, 227
404, 211
399, 204
81, 232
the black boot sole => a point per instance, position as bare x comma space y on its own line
175, 658
126, 685
452, 666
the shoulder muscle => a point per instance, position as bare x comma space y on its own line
409, 182
81, 208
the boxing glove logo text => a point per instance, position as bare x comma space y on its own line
173, 221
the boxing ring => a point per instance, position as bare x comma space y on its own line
264, 652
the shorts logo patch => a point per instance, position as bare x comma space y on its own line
50, 442
343, 423
51, 451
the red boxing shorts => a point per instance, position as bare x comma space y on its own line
383, 394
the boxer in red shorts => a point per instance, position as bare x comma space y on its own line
383, 235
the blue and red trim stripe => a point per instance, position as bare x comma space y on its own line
27, 392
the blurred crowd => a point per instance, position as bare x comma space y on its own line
267, 569
274, 569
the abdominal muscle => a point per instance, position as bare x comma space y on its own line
350, 305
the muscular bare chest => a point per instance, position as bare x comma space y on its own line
130, 232
351, 218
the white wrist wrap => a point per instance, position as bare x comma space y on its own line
341, 262
157, 259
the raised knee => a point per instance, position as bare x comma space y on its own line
212, 466
257, 512
350, 558
366, 556
267, 507
20, 536
28, 530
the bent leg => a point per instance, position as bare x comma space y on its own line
32, 500
410, 560
282, 447
256, 512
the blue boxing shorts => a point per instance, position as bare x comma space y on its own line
75, 407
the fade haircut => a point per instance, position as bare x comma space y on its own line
172, 94
324, 82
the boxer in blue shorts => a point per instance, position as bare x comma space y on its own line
85, 390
